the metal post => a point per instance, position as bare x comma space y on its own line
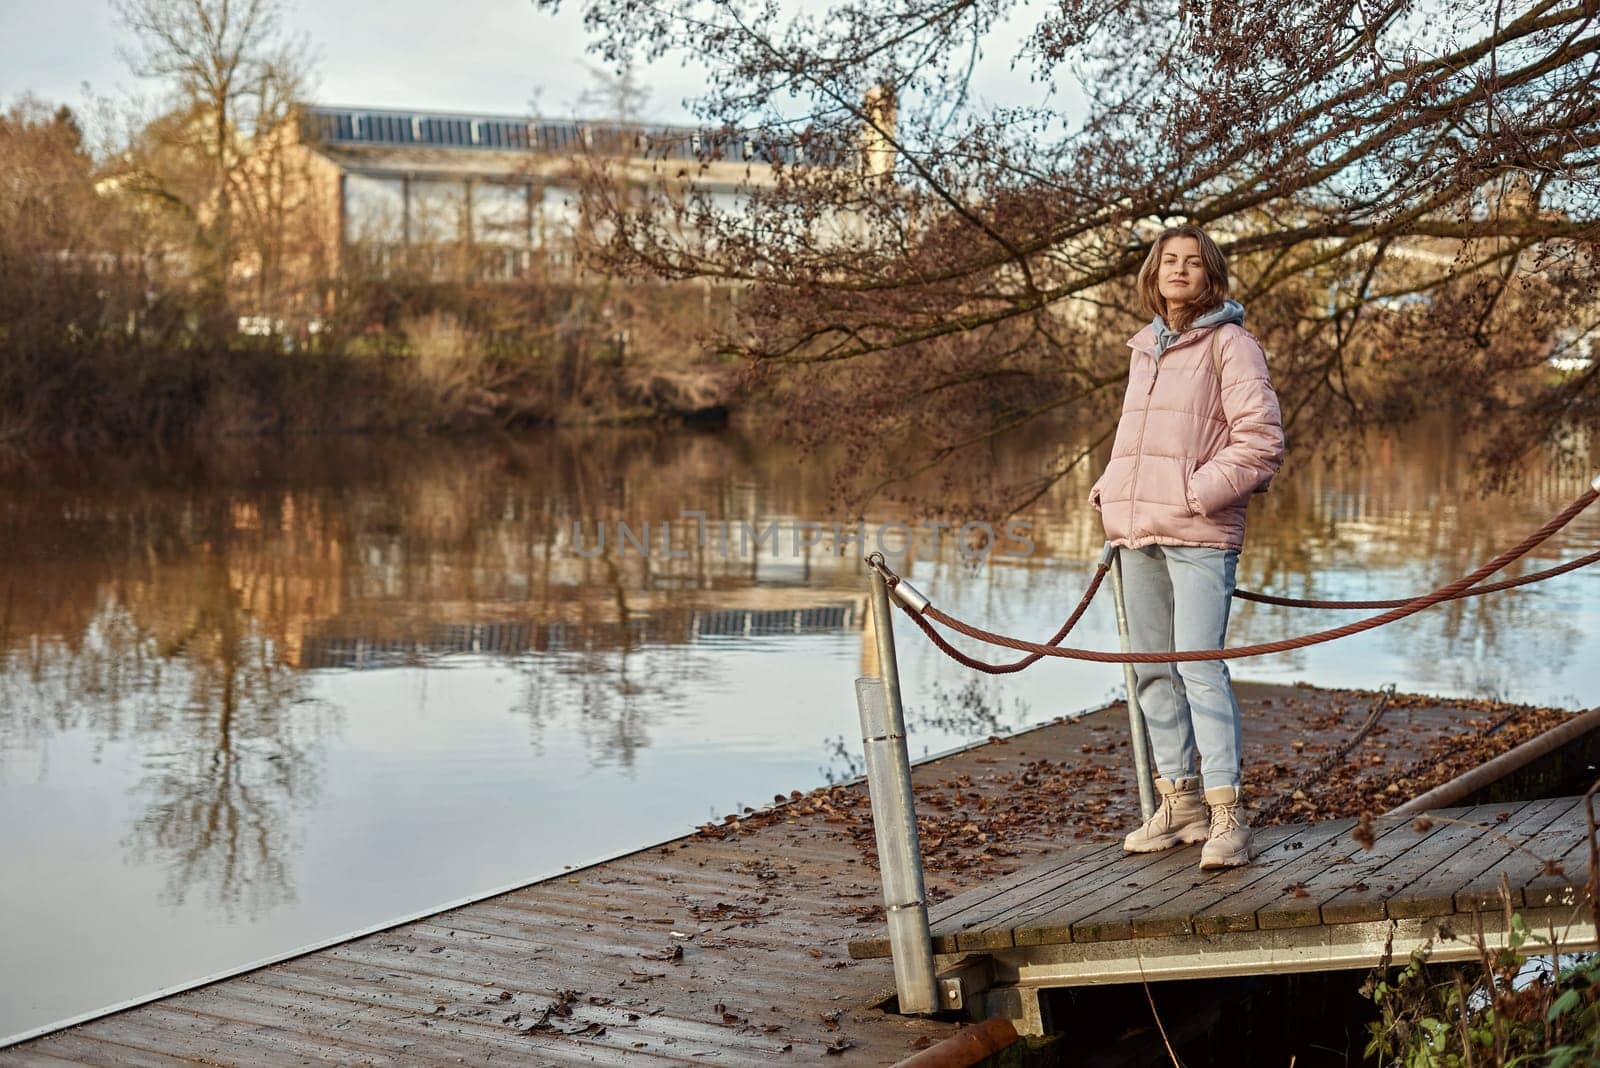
1137, 741
894, 819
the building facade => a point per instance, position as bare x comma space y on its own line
447, 196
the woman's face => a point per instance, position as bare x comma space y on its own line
1181, 273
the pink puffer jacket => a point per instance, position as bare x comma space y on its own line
1187, 455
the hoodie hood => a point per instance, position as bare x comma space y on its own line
1230, 311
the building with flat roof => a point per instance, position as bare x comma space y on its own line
443, 195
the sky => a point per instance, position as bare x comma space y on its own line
495, 56
490, 56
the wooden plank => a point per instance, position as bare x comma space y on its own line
399, 1014
543, 977
1017, 883
742, 854
1241, 911
1524, 865
678, 888
1238, 910
951, 935
1122, 913
665, 1029
1300, 905
538, 952
402, 1017
786, 949
785, 940
604, 939
45, 1060
160, 1025
780, 926
877, 947
1181, 914
1434, 892
75, 1047
1443, 838
272, 1036
1109, 878
485, 971
760, 966
1109, 864
1064, 922
975, 927
1564, 883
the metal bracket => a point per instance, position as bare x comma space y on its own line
963, 984
1023, 1006
909, 596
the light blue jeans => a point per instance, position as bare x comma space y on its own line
1178, 598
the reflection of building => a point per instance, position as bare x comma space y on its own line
353, 644
485, 196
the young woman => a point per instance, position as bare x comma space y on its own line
1200, 431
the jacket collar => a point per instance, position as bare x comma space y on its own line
1229, 311
1145, 340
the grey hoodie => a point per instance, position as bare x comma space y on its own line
1230, 311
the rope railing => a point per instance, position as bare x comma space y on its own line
924, 613
1032, 658
1476, 591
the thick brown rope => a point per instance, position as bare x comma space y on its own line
1493, 587
1263, 598
1032, 658
1409, 608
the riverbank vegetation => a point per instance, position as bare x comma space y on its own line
174, 276
1509, 1008
114, 329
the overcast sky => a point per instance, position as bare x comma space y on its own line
468, 55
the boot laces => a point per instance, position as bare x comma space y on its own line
1165, 817
1166, 813
1224, 818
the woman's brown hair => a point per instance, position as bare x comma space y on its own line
1216, 272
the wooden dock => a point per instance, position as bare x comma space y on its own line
1314, 899
731, 946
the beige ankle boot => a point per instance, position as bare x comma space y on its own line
1229, 844
1179, 819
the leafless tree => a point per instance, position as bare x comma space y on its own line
619, 97
1406, 190
232, 75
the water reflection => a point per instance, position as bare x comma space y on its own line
1409, 519
172, 657
241, 573
364, 664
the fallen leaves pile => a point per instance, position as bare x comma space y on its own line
974, 823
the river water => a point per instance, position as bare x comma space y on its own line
255, 699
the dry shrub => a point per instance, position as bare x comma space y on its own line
447, 365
